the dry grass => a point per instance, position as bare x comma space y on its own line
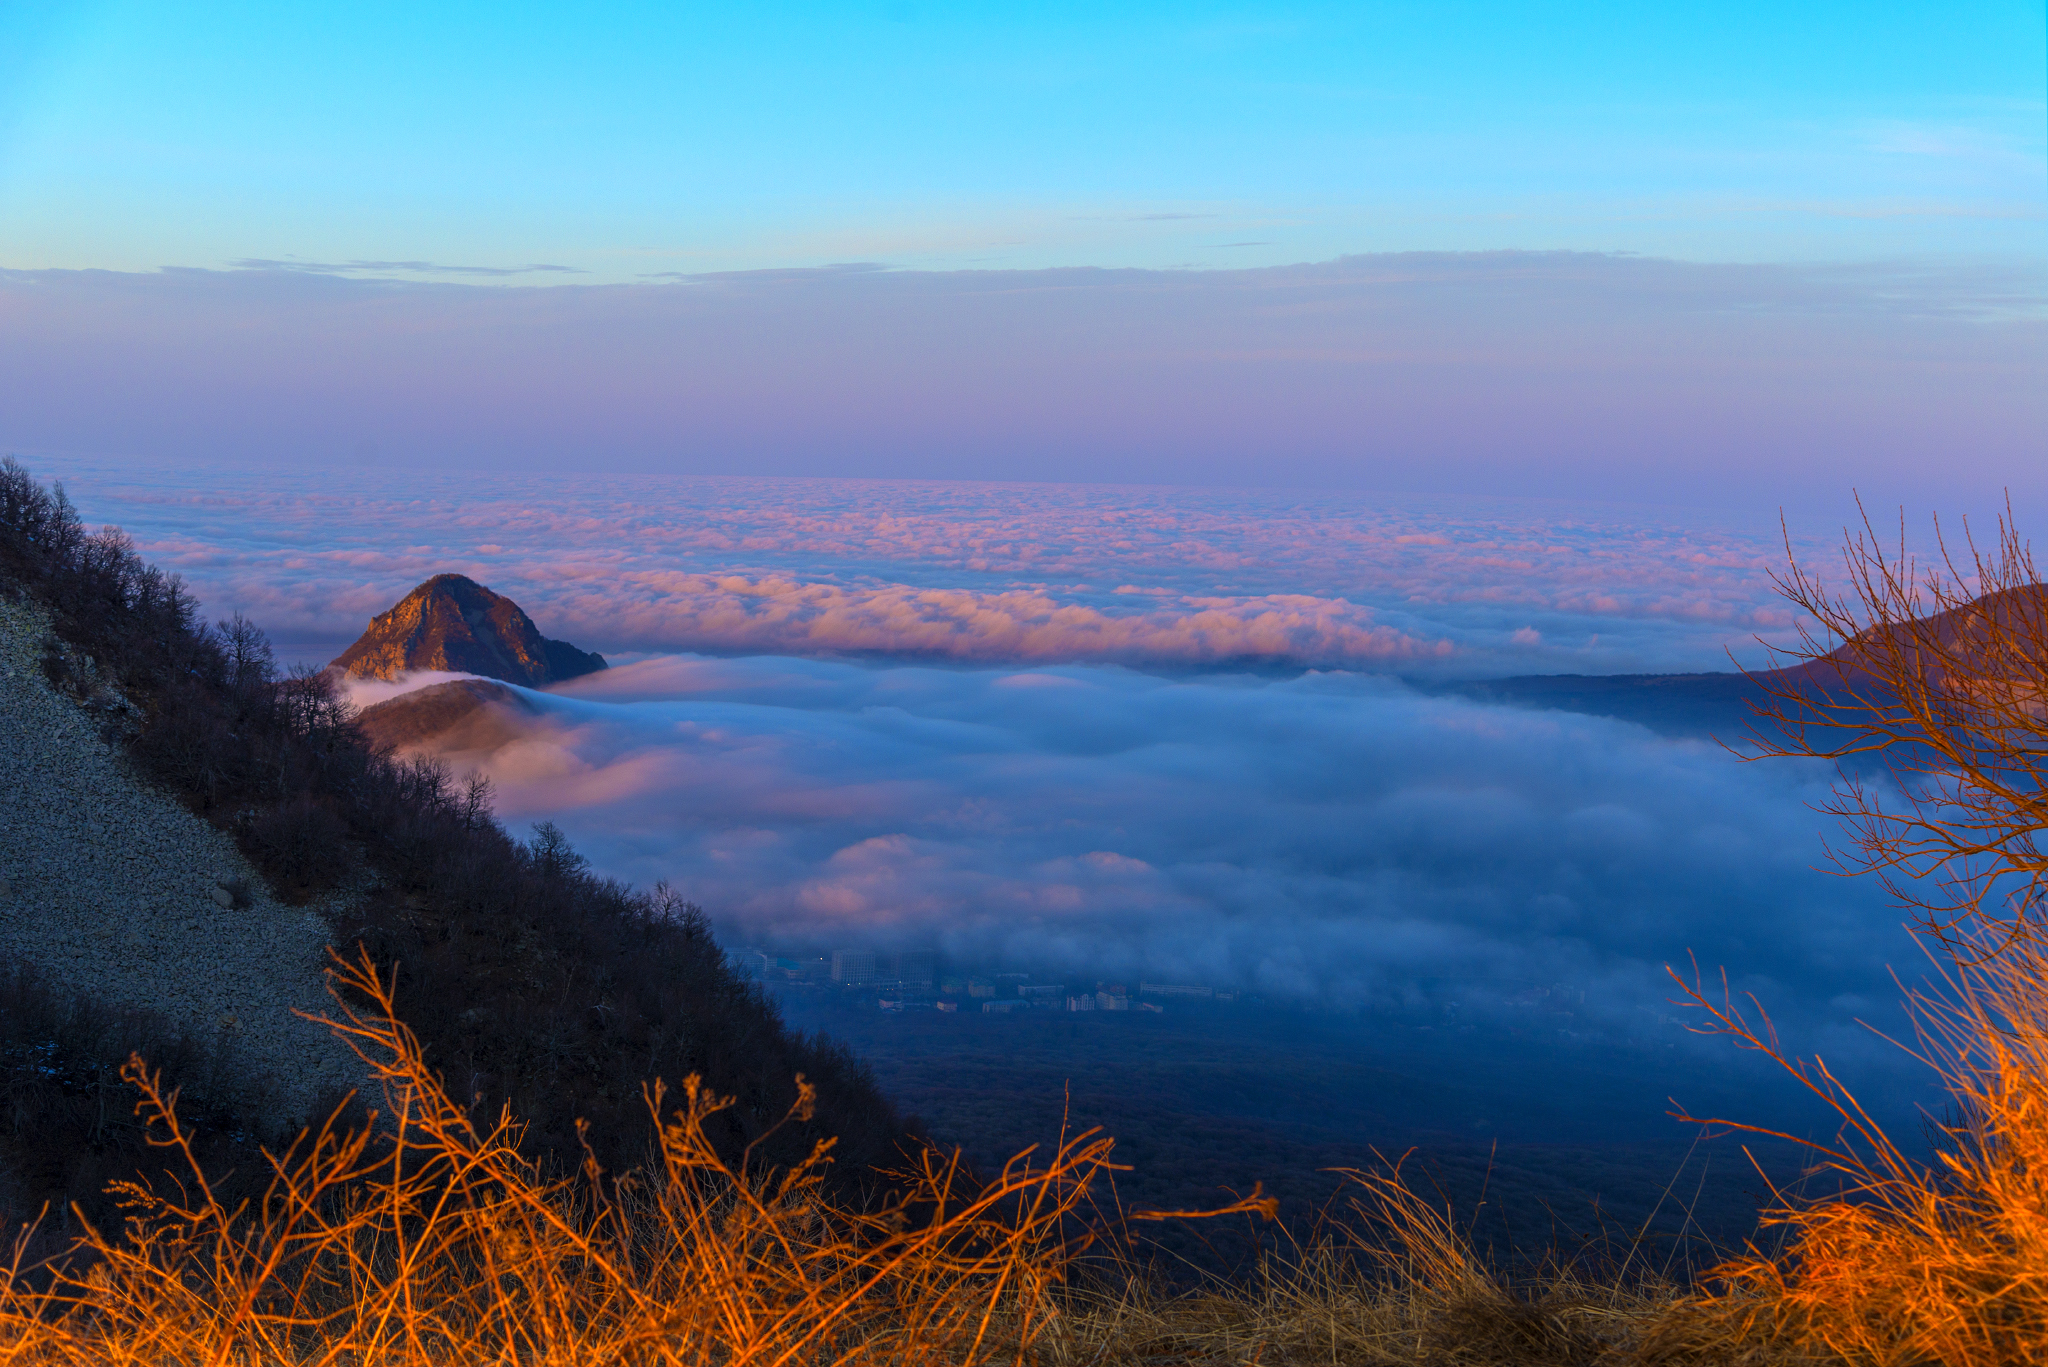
1397, 1285
429, 1239
1944, 1261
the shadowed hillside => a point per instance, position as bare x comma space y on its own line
1725, 706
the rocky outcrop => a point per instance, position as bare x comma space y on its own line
455, 624
465, 714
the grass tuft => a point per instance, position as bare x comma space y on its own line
1918, 1261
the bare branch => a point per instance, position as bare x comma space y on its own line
1935, 676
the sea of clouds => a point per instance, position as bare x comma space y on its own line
1133, 731
970, 573
1331, 837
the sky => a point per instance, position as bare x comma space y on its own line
1742, 256
1576, 376
626, 140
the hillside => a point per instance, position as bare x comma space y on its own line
1725, 706
530, 981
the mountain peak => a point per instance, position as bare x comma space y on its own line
453, 623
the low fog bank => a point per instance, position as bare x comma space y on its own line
1331, 840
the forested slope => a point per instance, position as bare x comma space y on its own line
531, 980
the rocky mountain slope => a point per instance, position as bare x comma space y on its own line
114, 890
455, 624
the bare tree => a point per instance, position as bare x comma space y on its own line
1926, 684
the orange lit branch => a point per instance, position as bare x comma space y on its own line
1940, 674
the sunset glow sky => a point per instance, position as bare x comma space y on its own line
1755, 254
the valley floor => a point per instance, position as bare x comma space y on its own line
1536, 1147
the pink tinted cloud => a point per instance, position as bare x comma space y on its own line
968, 571
778, 615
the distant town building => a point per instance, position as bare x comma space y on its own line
751, 964
915, 967
853, 967
947, 1006
1086, 1003
1007, 1004
980, 987
1173, 990
1106, 1000
1030, 990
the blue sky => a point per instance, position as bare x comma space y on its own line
626, 141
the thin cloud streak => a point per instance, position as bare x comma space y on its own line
385, 267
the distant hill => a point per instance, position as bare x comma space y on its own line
455, 624
1716, 705
1724, 706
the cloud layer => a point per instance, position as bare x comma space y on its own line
924, 735
776, 615
967, 572
1330, 837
